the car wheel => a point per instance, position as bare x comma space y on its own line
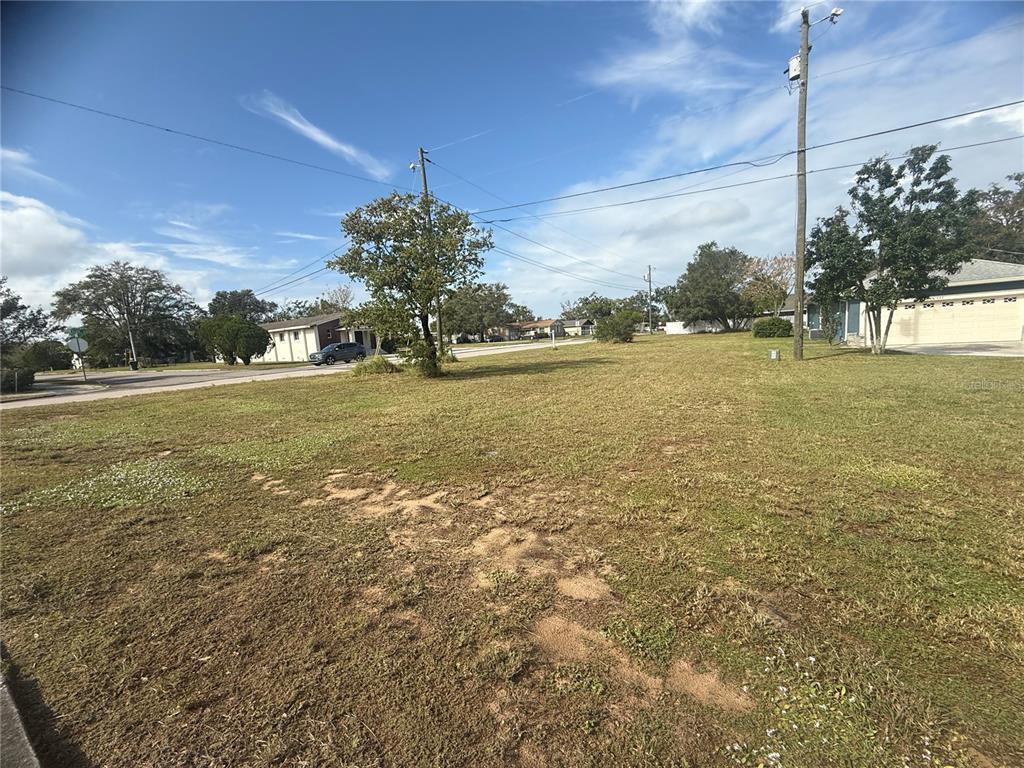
329, 360
360, 356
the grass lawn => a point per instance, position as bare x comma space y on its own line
671, 553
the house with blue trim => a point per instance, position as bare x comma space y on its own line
983, 302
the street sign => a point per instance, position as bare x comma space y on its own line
77, 345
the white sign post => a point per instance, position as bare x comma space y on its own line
78, 346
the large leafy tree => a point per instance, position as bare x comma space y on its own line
591, 307
997, 230
475, 307
520, 313
116, 297
770, 281
711, 289
390, 319
337, 299
234, 337
408, 251
242, 303
21, 324
907, 229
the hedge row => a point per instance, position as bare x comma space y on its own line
771, 327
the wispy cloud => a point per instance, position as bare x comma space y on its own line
271, 105
301, 236
19, 162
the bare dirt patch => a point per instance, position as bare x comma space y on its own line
707, 687
515, 549
587, 587
564, 640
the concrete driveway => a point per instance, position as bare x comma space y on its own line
977, 348
126, 383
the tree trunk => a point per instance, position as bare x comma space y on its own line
430, 365
885, 336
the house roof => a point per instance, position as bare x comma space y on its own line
983, 270
537, 324
300, 322
576, 323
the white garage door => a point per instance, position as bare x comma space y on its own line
997, 318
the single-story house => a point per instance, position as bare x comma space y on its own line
538, 328
983, 302
578, 327
295, 340
675, 327
507, 331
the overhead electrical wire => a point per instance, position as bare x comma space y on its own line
197, 137
300, 269
759, 162
733, 186
557, 270
554, 226
760, 92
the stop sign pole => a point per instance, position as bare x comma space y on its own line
78, 346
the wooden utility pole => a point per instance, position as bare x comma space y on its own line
650, 303
430, 236
801, 188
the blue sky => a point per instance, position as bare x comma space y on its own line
566, 96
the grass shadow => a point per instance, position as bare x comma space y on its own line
831, 353
456, 373
52, 748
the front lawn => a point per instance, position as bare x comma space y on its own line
673, 552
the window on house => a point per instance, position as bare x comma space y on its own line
947, 303
966, 303
929, 305
328, 333
1010, 299
988, 301
295, 335
280, 337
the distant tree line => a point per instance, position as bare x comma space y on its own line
906, 229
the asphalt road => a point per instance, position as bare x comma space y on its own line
127, 383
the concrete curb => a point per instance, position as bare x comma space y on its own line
15, 749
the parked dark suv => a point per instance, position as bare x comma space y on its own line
345, 351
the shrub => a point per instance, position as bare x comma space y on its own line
617, 327
16, 379
43, 356
771, 327
374, 365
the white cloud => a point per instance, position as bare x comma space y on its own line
301, 236
18, 162
978, 72
43, 249
274, 106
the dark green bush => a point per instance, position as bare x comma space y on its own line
617, 327
771, 327
42, 356
16, 379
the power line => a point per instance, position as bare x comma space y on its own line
738, 184
1001, 250
300, 279
554, 226
760, 162
557, 270
318, 259
197, 137
760, 92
